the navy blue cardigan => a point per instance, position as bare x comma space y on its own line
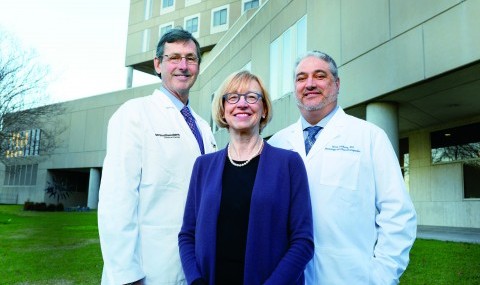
279, 238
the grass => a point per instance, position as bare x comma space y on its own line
438, 262
48, 247
63, 248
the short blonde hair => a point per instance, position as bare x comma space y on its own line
237, 81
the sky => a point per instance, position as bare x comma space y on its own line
82, 41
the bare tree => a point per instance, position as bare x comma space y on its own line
468, 152
24, 103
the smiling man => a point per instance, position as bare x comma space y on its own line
152, 143
363, 218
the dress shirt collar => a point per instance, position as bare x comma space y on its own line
179, 104
323, 122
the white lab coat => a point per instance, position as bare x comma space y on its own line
363, 218
150, 156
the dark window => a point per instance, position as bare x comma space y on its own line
21, 175
404, 156
460, 144
471, 180
456, 144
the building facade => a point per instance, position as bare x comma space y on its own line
411, 67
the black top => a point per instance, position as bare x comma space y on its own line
232, 226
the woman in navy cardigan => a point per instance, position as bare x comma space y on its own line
248, 217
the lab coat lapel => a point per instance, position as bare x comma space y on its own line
205, 131
332, 130
177, 120
295, 139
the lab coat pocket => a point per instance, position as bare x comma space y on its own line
341, 266
340, 168
161, 259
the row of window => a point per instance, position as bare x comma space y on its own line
21, 175
168, 6
460, 144
192, 24
283, 52
22, 144
219, 19
454, 145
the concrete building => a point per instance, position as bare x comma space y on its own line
411, 67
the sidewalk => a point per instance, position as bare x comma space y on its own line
470, 235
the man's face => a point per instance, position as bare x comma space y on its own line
315, 86
179, 77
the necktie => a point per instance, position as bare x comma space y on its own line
310, 140
191, 123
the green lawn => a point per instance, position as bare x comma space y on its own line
437, 262
63, 248
48, 247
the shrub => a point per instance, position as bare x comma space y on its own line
51, 208
60, 207
28, 206
42, 207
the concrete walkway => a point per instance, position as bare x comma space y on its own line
470, 235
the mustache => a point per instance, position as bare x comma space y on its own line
328, 99
188, 74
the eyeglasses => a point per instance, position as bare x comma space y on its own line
251, 97
177, 58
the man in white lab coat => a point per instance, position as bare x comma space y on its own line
363, 218
151, 150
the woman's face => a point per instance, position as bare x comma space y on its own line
244, 117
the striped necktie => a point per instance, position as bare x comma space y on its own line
310, 139
193, 126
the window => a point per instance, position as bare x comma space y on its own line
460, 144
192, 24
274, 68
213, 124
283, 52
147, 9
146, 40
288, 58
20, 175
456, 144
23, 144
167, 6
164, 29
167, 3
404, 158
471, 180
250, 4
219, 19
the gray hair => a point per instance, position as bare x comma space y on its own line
320, 55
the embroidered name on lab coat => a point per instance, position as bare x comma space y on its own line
342, 148
168, 136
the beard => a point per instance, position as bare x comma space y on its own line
325, 102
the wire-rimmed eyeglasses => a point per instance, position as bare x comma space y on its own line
251, 97
177, 58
